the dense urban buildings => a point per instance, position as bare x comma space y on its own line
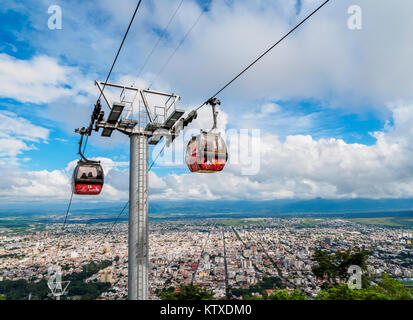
218, 254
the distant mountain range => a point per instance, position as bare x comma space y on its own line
283, 206
318, 206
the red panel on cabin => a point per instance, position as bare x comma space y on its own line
207, 167
88, 189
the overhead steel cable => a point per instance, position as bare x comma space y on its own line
159, 39
120, 47
104, 85
84, 148
127, 203
263, 54
113, 65
228, 83
64, 224
117, 218
170, 58
67, 211
156, 158
115, 222
180, 44
245, 69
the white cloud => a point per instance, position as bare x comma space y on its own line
270, 108
12, 125
299, 167
322, 60
42, 80
39, 80
17, 134
302, 167
11, 147
266, 110
23, 185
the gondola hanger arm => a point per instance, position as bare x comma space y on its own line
213, 102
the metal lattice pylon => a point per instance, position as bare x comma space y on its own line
55, 283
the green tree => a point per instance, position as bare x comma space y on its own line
386, 289
21, 289
335, 265
284, 294
187, 292
394, 289
248, 297
279, 294
344, 259
325, 267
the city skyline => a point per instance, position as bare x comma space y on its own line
193, 252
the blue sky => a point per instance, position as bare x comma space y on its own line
332, 104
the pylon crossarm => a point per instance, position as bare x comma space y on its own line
99, 84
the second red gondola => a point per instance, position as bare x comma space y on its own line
207, 152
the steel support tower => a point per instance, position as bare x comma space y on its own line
138, 218
144, 124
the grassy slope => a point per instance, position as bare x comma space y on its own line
386, 221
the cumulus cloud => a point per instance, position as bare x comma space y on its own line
323, 60
55, 185
353, 70
39, 80
298, 167
42, 80
27, 185
266, 110
303, 167
17, 135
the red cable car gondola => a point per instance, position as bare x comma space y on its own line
207, 152
88, 176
